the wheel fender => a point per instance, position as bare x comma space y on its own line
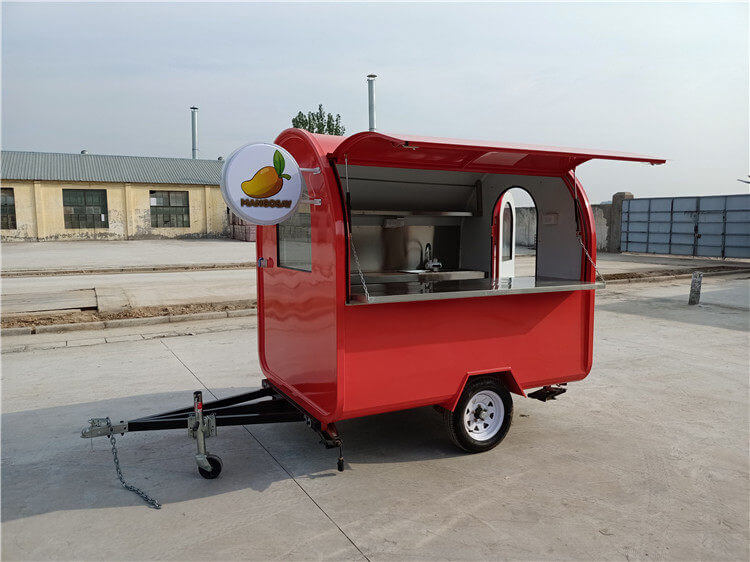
506, 378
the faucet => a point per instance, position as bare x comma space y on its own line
430, 263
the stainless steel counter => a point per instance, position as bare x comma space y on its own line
416, 275
462, 289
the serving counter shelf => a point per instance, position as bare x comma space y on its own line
380, 293
416, 276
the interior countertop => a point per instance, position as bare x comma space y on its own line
465, 288
411, 276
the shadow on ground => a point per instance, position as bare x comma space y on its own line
47, 467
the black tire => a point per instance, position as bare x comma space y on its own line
457, 428
216, 466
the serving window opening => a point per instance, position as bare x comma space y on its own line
514, 235
436, 234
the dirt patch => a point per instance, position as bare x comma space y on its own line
41, 319
669, 272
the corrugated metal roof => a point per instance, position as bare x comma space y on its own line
16, 165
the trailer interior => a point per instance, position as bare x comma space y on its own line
427, 234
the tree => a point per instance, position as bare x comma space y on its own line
319, 122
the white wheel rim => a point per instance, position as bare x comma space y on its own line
483, 415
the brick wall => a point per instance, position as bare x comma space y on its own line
241, 229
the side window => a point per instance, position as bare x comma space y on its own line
294, 240
507, 250
8, 209
85, 208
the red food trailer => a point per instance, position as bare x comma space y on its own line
393, 286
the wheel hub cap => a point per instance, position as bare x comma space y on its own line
483, 415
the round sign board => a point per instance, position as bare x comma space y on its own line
261, 183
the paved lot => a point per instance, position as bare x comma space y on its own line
158, 288
58, 256
141, 289
164, 288
645, 459
610, 264
96, 254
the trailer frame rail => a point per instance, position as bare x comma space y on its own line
202, 420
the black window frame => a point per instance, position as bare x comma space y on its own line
179, 214
8, 209
84, 208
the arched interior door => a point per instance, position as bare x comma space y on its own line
504, 237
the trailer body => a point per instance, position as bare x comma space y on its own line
340, 356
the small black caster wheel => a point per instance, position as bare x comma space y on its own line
340, 465
216, 466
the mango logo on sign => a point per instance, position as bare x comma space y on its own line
267, 181
261, 183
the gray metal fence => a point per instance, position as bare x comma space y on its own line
717, 225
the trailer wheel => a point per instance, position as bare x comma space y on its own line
216, 466
482, 416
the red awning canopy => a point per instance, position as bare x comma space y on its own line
407, 151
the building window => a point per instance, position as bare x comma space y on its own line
8, 211
169, 209
85, 208
294, 240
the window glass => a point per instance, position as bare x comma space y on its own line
507, 233
169, 209
8, 211
294, 240
85, 208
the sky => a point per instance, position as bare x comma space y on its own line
669, 80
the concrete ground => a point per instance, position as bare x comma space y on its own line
136, 332
186, 283
97, 254
144, 289
60, 256
645, 459
610, 264
113, 292
617, 265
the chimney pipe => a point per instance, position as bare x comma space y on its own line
371, 98
194, 122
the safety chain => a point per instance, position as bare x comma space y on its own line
149, 500
578, 234
351, 236
585, 251
359, 270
